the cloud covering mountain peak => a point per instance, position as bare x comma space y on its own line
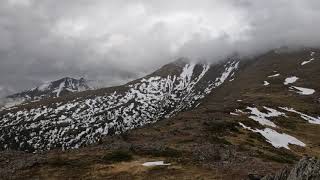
116, 40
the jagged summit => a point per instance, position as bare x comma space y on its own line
51, 89
64, 85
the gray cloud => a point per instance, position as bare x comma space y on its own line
116, 40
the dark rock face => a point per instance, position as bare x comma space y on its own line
306, 169
53, 89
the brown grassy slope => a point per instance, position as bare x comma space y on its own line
248, 87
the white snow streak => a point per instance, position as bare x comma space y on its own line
266, 83
302, 91
155, 163
312, 59
234, 114
306, 62
275, 75
277, 140
310, 119
262, 117
60, 88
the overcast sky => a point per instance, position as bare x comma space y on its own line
115, 40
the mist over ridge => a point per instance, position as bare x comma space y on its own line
115, 41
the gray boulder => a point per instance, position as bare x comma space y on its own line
306, 169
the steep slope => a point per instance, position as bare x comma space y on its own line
84, 120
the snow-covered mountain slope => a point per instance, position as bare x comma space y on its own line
50, 89
253, 122
83, 120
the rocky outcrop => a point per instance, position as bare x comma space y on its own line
306, 169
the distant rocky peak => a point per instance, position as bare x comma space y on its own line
56, 88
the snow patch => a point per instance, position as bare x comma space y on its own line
290, 80
302, 91
277, 140
155, 163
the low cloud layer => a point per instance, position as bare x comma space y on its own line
116, 40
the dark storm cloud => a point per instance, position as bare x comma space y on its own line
116, 40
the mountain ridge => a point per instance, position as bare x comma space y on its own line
243, 128
150, 99
52, 89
